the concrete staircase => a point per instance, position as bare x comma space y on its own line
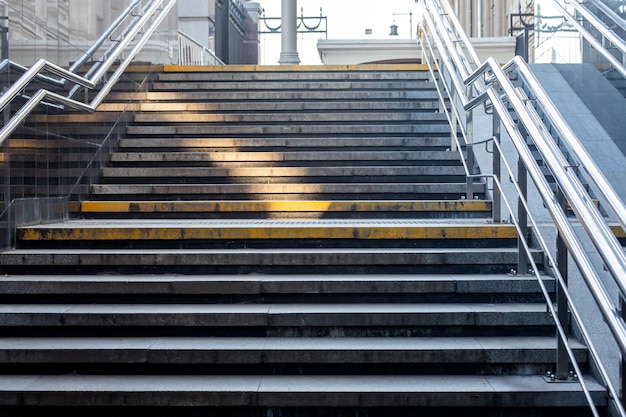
269, 242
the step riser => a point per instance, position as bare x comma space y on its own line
331, 262
338, 130
127, 298
279, 118
274, 106
284, 77
340, 96
288, 209
201, 365
291, 144
293, 86
211, 395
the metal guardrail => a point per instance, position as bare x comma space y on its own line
618, 45
142, 26
616, 20
468, 85
192, 52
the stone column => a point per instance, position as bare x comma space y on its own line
289, 33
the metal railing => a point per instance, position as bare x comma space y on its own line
142, 26
192, 52
611, 46
471, 88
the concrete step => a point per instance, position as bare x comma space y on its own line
96, 117
527, 353
260, 113
321, 117
264, 285
294, 143
288, 209
301, 288
293, 85
273, 106
267, 261
284, 175
310, 74
260, 72
321, 156
325, 191
330, 130
276, 95
275, 316
271, 392
117, 231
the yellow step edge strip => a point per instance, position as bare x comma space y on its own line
294, 68
618, 231
280, 206
264, 233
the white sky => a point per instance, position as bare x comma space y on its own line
347, 19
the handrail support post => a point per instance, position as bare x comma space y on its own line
522, 215
562, 361
469, 151
622, 376
454, 121
496, 208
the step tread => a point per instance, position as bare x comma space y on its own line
166, 229
345, 390
278, 95
272, 284
289, 188
299, 117
285, 206
275, 309
274, 106
274, 316
156, 142
256, 253
273, 172
314, 155
292, 85
283, 343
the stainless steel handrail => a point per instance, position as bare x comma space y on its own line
599, 25
615, 18
542, 184
148, 22
501, 99
7, 65
86, 56
113, 47
602, 29
100, 41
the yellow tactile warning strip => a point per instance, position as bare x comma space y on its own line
294, 68
281, 206
112, 230
618, 231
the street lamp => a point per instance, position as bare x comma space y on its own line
394, 27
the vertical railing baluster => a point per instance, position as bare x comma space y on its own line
622, 386
562, 360
469, 150
496, 209
522, 215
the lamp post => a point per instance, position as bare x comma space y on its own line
394, 27
289, 33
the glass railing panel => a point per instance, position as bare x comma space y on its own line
55, 156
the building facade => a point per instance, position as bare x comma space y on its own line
230, 28
490, 18
62, 30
